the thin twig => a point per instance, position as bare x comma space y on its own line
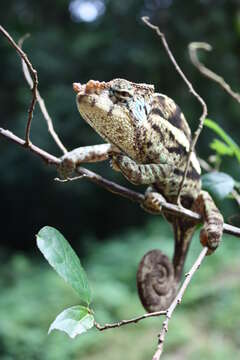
34, 75
130, 321
205, 165
176, 301
193, 48
48, 158
41, 103
192, 90
112, 186
69, 179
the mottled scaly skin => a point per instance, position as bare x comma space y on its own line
148, 141
147, 127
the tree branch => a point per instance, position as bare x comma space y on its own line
176, 301
48, 158
130, 321
192, 90
112, 186
168, 313
91, 176
41, 103
34, 75
193, 48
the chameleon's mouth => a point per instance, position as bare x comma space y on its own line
91, 87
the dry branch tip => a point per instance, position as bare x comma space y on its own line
192, 90
193, 48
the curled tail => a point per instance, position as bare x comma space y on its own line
156, 281
158, 278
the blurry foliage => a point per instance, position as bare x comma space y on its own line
116, 44
226, 147
218, 184
205, 326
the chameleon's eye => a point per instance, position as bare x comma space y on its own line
122, 95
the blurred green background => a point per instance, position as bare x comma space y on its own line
103, 39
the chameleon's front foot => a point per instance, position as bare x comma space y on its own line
66, 166
139, 174
212, 230
84, 154
152, 201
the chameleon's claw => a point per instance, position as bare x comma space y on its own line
66, 167
153, 202
113, 163
211, 237
212, 230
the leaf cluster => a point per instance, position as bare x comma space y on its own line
63, 259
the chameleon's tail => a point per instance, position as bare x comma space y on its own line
156, 281
158, 278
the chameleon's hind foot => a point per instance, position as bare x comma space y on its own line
212, 230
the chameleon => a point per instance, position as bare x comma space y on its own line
148, 140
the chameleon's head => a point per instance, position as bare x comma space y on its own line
115, 109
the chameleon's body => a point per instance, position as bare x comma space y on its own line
149, 141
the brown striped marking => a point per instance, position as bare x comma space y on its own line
149, 144
156, 111
191, 174
176, 117
158, 130
179, 149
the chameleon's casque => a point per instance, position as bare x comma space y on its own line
148, 141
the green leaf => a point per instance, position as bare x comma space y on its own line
221, 148
225, 137
64, 260
74, 321
219, 184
